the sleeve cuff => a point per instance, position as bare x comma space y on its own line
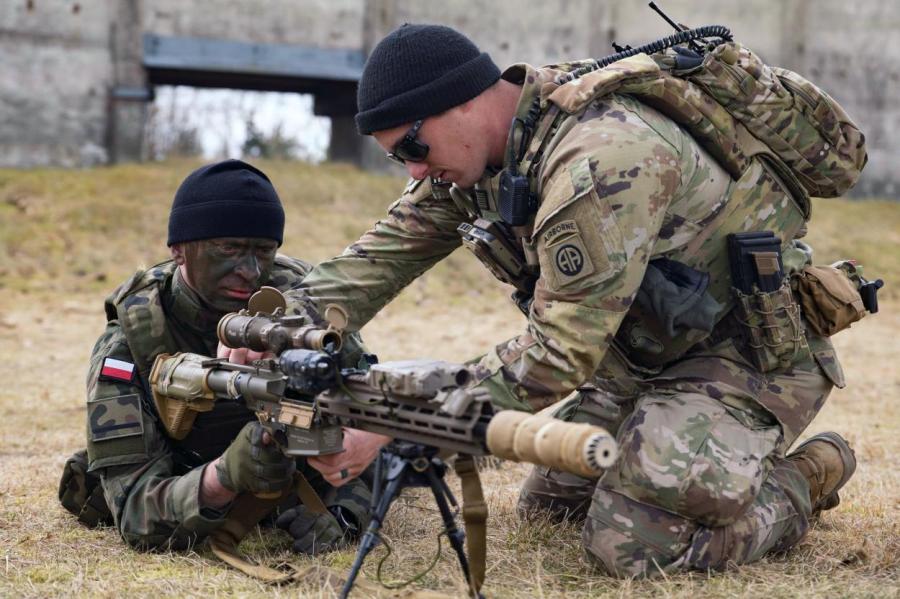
186, 499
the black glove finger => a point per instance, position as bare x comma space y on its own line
255, 434
303, 523
284, 519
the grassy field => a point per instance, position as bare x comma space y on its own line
67, 238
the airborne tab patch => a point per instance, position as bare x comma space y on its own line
117, 370
569, 255
115, 417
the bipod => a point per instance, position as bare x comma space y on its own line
402, 465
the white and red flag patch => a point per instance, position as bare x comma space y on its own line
117, 370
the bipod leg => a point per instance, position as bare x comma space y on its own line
392, 473
444, 497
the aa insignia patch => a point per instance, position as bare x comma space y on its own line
571, 261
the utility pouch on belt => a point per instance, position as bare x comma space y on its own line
765, 306
81, 493
503, 259
834, 297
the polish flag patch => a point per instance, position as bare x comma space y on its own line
117, 370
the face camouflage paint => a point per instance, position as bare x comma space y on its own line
226, 271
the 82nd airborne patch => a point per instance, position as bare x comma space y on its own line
568, 253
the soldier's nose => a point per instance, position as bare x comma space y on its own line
417, 170
248, 268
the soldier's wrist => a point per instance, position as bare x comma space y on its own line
214, 493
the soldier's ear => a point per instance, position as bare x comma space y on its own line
177, 251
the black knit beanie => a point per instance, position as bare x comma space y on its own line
418, 71
226, 199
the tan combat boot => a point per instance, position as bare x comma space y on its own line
827, 462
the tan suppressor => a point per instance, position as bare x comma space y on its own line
581, 449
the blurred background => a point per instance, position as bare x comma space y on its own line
91, 82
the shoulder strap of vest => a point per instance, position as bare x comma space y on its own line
138, 308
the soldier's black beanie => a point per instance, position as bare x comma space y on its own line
418, 71
226, 199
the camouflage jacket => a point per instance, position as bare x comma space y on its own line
151, 483
619, 184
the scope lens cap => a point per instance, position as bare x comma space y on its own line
266, 301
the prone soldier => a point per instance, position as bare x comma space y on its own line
624, 205
169, 485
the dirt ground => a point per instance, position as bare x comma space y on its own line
50, 316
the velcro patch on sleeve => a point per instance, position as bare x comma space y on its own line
115, 417
117, 370
570, 258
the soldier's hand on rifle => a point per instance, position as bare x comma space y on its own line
253, 463
242, 355
360, 450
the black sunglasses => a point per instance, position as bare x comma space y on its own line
409, 149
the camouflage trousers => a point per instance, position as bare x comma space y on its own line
701, 481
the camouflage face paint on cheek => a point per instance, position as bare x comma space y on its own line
224, 273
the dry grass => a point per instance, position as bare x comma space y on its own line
69, 236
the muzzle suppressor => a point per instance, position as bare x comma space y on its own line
582, 449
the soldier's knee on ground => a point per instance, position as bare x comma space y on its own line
560, 495
626, 538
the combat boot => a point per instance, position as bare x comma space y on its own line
827, 462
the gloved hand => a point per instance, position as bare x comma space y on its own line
315, 534
250, 465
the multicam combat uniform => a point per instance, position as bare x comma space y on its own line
150, 481
701, 480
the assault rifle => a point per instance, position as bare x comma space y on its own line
304, 398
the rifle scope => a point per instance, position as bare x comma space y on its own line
275, 334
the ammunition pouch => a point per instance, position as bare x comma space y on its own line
830, 300
81, 492
771, 327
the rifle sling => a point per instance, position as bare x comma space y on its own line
308, 496
474, 513
246, 512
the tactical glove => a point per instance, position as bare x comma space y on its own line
315, 534
249, 466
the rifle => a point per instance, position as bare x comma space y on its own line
304, 398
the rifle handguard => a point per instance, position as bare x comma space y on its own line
262, 333
582, 449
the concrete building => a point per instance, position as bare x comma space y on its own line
76, 76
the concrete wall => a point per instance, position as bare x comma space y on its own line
54, 76
62, 58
